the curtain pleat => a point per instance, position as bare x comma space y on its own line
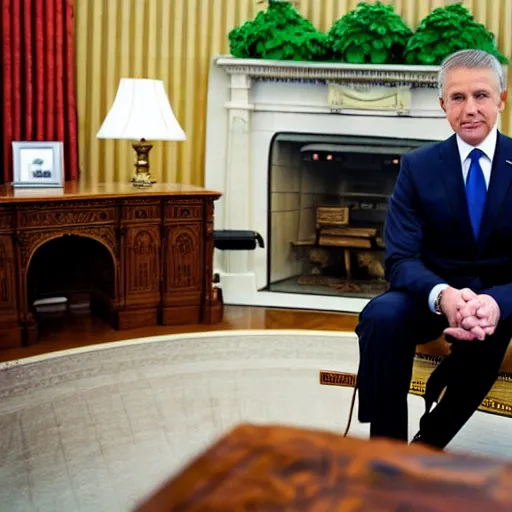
38, 75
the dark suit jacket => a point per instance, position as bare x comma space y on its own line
428, 233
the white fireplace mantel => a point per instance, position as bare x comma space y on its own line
417, 76
250, 100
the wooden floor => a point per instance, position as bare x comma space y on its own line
88, 330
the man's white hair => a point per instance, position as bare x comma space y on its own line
472, 59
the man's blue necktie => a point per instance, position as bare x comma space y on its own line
476, 191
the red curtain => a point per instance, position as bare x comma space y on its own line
39, 94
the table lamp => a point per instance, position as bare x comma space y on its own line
141, 111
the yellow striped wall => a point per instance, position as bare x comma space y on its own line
174, 40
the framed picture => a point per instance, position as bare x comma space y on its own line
37, 164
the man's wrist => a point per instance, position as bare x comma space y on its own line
434, 297
437, 304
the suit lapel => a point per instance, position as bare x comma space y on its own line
499, 185
451, 171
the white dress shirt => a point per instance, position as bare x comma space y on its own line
488, 146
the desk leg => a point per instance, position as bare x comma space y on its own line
31, 331
10, 329
213, 310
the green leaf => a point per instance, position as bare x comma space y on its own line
378, 56
280, 32
446, 30
372, 32
362, 27
354, 55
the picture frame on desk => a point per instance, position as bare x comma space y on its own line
38, 164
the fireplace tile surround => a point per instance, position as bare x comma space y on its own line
250, 102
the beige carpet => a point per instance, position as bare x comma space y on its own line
98, 428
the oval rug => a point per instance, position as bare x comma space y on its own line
98, 428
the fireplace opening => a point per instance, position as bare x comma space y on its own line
78, 269
328, 198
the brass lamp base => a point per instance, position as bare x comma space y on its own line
142, 177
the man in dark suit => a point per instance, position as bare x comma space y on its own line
448, 263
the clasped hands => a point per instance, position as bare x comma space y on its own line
470, 316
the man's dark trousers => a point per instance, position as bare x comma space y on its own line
389, 329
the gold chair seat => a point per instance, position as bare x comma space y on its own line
440, 347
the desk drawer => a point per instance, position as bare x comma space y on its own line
66, 214
179, 210
141, 211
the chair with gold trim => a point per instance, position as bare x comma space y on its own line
441, 348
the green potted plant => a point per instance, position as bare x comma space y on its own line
369, 34
446, 30
278, 33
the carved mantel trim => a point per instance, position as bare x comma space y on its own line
31, 241
382, 74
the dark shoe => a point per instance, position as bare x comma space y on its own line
419, 439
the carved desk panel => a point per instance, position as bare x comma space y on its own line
160, 242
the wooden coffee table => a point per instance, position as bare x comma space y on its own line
277, 468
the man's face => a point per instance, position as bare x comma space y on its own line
472, 101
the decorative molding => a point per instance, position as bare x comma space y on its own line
350, 74
186, 270
187, 200
143, 260
143, 201
7, 284
50, 217
366, 97
6, 219
30, 241
66, 204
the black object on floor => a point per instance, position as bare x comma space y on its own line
237, 240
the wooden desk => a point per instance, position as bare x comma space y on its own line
261, 468
160, 242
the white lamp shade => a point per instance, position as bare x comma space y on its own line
141, 110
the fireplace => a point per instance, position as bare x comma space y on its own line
327, 202
265, 122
